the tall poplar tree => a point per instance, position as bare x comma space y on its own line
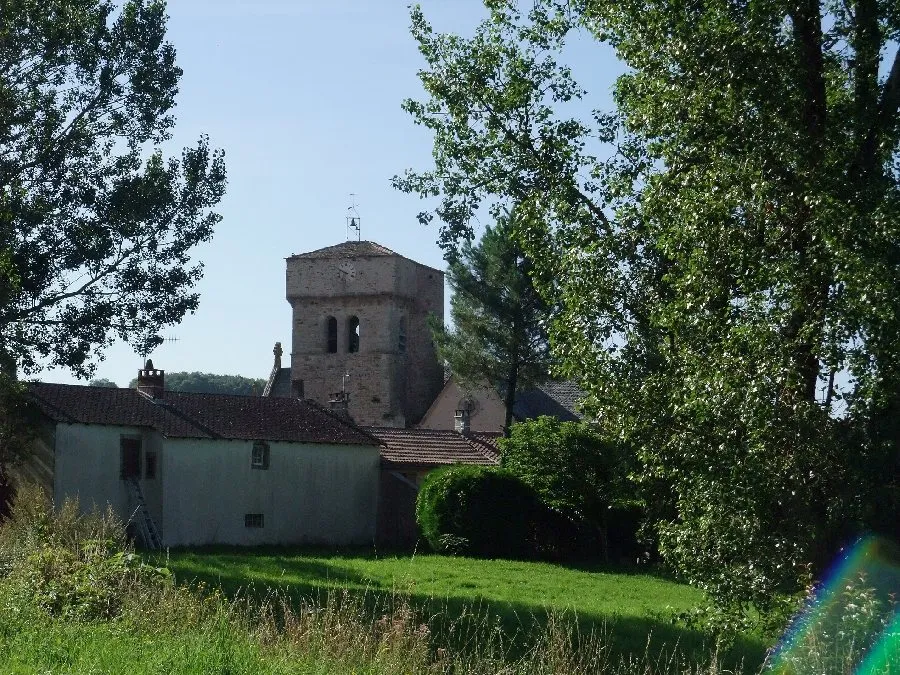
726, 262
499, 334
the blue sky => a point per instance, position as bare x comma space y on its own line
304, 96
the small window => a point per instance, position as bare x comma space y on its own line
253, 520
353, 334
331, 335
401, 336
297, 388
130, 460
259, 459
150, 468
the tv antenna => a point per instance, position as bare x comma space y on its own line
353, 220
171, 339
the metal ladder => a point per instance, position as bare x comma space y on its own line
142, 518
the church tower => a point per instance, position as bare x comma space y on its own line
360, 314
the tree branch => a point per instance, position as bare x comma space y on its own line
807, 21
595, 210
883, 121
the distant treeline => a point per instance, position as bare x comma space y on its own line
204, 383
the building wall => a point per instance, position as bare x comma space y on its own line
309, 494
88, 466
426, 374
203, 487
375, 397
399, 490
387, 386
39, 466
488, 414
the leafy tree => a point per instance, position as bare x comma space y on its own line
96, 225
102, 382
571, 466
207, 383
499, 318
726, 275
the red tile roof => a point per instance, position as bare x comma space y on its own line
488, 441
434, 447
186, 415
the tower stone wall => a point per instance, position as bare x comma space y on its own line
394, 375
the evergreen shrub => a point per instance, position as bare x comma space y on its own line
477, 510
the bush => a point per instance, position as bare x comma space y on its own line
580, 475
476, 510
68, 563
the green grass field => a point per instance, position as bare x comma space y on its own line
75, 599
629, 606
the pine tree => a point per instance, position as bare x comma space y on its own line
499, 319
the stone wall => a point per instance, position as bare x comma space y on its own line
391, 381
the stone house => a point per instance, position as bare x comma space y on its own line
361, 341
360, 327
195, 469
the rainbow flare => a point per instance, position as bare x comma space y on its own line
851, 623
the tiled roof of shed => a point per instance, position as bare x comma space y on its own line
187, 415
488, 442
348, 249
433, 447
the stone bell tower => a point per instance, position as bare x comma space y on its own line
360, 328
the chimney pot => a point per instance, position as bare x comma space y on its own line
340, 404
151, 381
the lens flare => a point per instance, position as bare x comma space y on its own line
851, 622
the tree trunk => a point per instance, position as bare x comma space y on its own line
512, 378
509, 399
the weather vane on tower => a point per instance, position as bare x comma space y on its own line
353, 219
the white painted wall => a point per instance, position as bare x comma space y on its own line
309, 494
87, 466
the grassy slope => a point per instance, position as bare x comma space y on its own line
629, 605
535, 586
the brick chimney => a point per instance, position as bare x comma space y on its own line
150, 381
339, 404
461, 422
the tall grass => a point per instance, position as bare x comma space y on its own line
75, 598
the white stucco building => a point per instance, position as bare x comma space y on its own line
195, 469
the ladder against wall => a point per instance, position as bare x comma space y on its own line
140, 516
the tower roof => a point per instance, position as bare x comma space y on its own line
349, 249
